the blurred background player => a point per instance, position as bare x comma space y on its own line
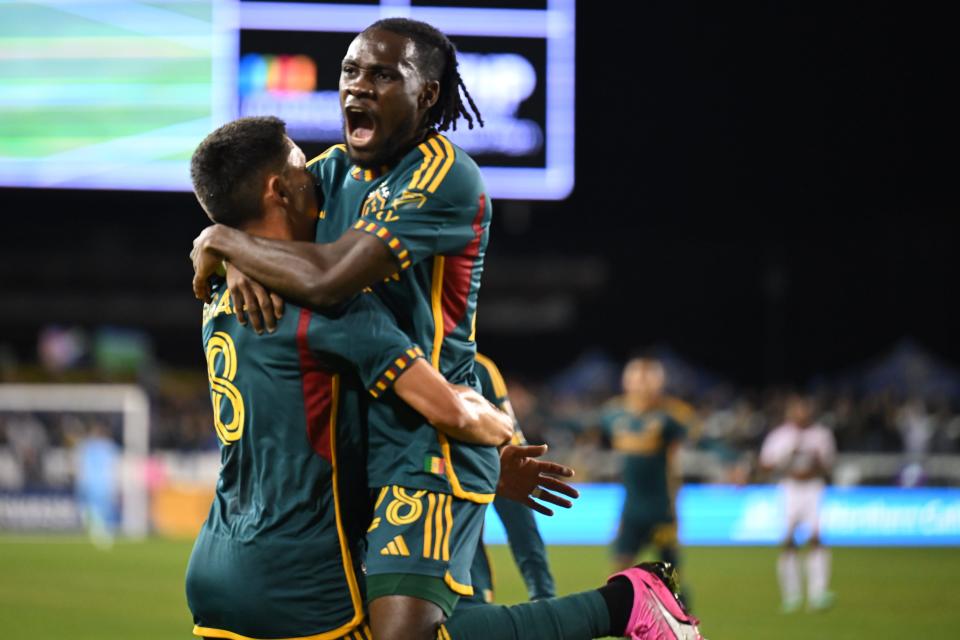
523, 536
640, 427
98, 469
801, 452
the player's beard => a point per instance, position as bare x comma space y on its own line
393, 147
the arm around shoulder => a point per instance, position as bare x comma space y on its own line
312, 275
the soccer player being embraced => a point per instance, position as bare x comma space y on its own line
279, 547
405, 212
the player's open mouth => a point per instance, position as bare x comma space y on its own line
360, 126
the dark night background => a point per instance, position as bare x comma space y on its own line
770, 190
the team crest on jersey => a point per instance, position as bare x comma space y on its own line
376, 200
409, 197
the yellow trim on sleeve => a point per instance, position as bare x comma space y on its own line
456, 587
443, 633
341, 147
447, 163
427, 158
499, 386
435, 163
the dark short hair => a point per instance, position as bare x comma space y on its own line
227, 167
436, 59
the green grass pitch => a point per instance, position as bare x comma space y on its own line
64, 588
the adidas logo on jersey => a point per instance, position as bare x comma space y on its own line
396, 547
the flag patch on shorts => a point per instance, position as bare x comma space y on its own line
433, 464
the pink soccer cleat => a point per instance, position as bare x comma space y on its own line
657, 613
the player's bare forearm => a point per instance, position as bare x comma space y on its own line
312, 275
486, 424
452, 410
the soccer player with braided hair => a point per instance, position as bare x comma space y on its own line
438, 59
404, 213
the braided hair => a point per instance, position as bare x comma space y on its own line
437, 60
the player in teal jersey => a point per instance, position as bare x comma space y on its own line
420, 245
418, 232
649, 437
524, 538
278, 555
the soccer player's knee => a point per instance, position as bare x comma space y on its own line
404, 618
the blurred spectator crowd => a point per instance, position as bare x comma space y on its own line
904, 404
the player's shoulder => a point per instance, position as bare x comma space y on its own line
438, 167
485, 365
678, 409
333, 154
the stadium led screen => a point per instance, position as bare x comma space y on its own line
726, 515
112, 95
118, 94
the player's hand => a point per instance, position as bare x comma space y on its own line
205, 263
523, 478
494, 427
252, 302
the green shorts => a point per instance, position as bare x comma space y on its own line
420, 533
481, 574
272, 588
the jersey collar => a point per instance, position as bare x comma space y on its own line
367, 175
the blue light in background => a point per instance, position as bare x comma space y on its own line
752, 515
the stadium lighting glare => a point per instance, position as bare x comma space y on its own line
138, 135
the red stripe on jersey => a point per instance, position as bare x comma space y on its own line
458, 274
317, 391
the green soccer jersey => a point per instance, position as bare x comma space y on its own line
644, 438
432, 212
278, 555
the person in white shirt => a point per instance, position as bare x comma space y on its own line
801, 453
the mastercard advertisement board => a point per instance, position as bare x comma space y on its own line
105, 94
